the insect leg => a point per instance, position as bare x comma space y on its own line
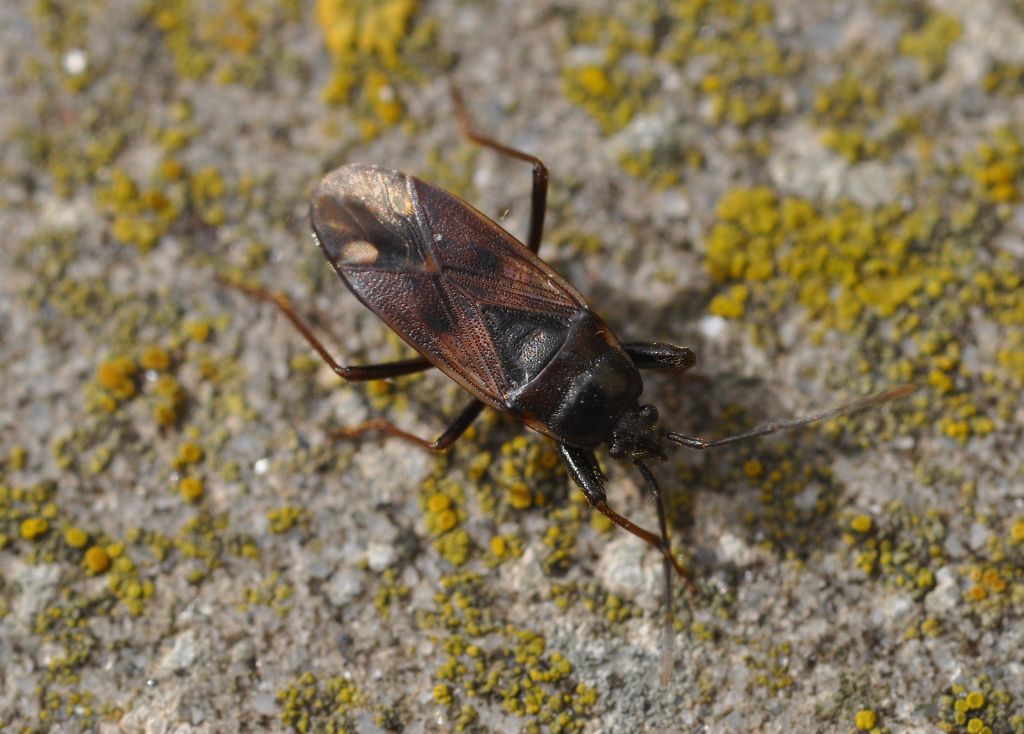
356, 373
660, 356
583, 468
539, 196
441, 444
667, 655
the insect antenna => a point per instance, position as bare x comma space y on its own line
668, 632
692, 442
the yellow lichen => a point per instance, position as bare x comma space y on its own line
442, 694
1017, 531
191, 488
862, 523
34, 527
445, 520
117, 376
197, 330
498, 546
155, 358
438, 502
97, 560
753, 468
189, 453
932, 42
283, 519
866, 719
75, 537
731, 305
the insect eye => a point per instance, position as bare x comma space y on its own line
649, 412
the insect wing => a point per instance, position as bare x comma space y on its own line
453, 284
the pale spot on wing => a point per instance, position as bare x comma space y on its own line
359, 252
401, 199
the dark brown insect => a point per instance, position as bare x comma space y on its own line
488, 312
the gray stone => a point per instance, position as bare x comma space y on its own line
179, 652
344, 586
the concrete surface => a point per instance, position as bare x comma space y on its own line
822, 199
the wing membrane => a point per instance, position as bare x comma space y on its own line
454, 285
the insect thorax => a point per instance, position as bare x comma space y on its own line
584, 389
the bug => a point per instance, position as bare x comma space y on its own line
484, 309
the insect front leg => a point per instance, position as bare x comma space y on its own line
539, 196
660, 356
583, 468
352, 373
441, 444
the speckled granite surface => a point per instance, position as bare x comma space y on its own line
822, 199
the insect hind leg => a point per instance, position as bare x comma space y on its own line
539, 196
352, 373
440, 445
